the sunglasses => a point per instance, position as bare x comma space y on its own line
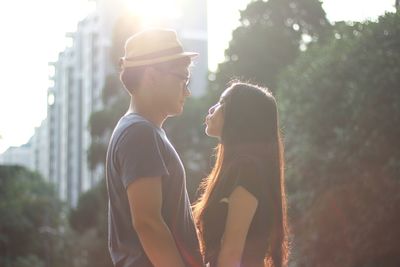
178, 75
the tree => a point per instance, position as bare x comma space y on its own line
269, 39
89, 220
28, 208
340, 107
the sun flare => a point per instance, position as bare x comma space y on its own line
154, 12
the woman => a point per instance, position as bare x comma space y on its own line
241, 214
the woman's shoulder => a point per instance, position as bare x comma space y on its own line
247, 171
248, 164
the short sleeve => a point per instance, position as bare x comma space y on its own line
248, 175
139, 154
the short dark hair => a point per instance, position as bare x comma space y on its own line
131, 77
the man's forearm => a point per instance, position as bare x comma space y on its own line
159, 244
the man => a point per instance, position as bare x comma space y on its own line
150, 219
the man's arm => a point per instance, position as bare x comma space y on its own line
145, 201
242, 207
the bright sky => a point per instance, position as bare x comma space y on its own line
33, 32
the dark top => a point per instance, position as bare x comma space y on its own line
137, 149
250, 173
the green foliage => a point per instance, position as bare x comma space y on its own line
28, 261
99, 122
341, 103
96, 154
91, 206
89, 220
340, 107
27, 206
269, 39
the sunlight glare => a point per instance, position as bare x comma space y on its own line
153, 12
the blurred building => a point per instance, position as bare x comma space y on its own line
78, 79
59, 148
21, 155
40, 150
33, 155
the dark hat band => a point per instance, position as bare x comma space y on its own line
163, 53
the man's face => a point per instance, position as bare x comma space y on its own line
173, 89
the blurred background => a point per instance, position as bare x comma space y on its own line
334, 67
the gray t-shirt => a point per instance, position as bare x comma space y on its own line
137, 149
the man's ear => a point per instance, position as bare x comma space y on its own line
150, 78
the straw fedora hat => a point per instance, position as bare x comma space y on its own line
153, 46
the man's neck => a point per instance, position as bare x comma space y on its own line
148, 113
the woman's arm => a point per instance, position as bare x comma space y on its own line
241, 210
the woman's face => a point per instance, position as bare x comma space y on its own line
215, 118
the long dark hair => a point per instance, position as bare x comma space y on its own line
251, 120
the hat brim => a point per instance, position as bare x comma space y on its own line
147, 62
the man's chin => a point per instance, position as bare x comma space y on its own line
176, 112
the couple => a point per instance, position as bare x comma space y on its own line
240, 218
